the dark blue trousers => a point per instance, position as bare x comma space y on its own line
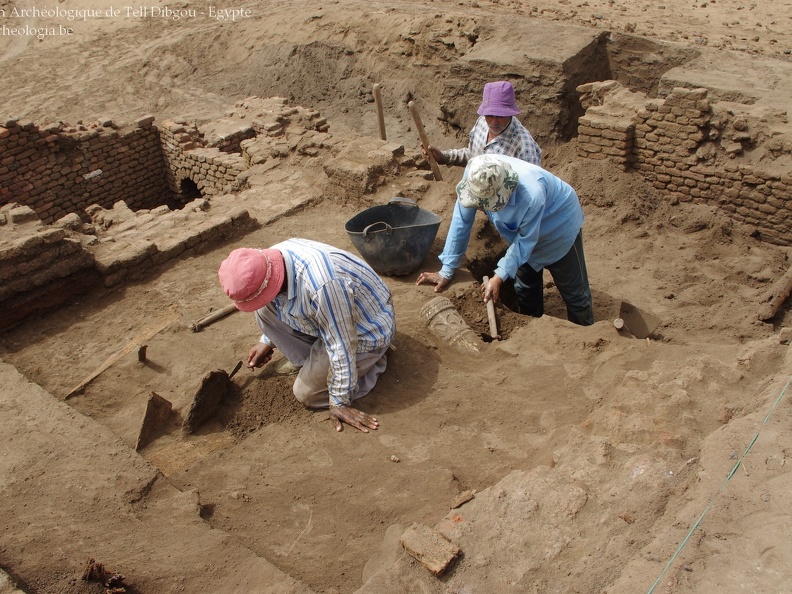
569, 275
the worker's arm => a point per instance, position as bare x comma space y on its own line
433, 278
456, 243
334, 305
435, 152
491, 290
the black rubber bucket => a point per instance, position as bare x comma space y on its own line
394, 238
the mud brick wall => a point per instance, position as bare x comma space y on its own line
609, 138
40, 266
696, 150
144, 240
43, 266
187, 157
59, 169
231, 142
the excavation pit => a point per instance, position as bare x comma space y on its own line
558, 444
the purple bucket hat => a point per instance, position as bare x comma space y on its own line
498, 100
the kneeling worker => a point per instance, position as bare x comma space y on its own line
540, 216
328, 312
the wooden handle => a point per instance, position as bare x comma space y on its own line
493, 321
213, 317
424, 140
380, 114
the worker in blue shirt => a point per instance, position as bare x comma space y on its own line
539, 215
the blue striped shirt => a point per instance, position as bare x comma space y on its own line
336, 297
515, 141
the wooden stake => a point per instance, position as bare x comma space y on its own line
380, 114
424, 140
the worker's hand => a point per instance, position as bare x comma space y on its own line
259, 355
435, 152
433, 278
491, 290
352, 416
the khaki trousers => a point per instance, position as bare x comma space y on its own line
309, 354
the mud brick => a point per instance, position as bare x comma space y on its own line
430, 548
22, 214
145, 121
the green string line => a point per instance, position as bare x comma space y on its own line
723, 485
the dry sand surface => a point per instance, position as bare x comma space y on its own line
592, 456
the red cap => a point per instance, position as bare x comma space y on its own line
251, 277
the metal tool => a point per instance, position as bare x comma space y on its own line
237, 367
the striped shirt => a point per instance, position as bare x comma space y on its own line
336, 297
514, 141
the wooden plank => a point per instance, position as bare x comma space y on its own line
775, 298
145, 334
424, 139
213, 317
491, 317
380, 113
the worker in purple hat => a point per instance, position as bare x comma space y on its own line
327, 311
497, 131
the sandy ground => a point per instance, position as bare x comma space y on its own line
627, 442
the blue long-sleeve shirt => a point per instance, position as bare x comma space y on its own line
335, 296
540, 222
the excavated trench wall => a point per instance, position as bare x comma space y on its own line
57, 170
61, 186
